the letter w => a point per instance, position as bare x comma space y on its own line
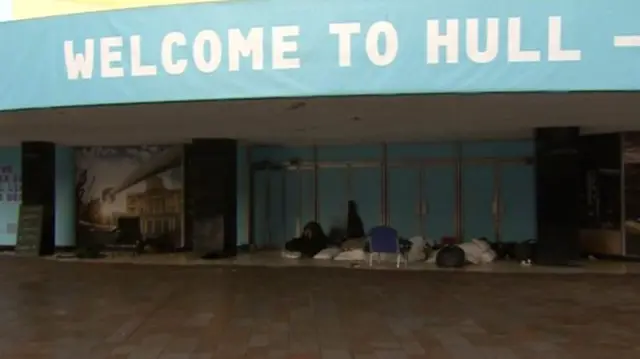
79, 65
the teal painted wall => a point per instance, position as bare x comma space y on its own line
65, 197
420, 199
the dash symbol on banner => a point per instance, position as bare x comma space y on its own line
626, 41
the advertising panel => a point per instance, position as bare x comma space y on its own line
141, 182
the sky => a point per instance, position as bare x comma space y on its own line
5, 10
28, 9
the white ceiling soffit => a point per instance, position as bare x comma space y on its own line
326, 120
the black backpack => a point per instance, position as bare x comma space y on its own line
450, 257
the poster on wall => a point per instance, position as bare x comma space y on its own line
631, 163
31, 9
10, 194
10, 184
142, 181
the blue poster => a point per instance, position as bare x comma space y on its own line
285, 48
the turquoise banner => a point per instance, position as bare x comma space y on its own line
283, 48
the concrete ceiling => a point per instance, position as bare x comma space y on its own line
326, 120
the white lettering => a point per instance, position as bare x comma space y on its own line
170, 65
111, 57
280, 46
344, 31
381, 46
492, 42
556, 52
449, 40
386, 30
204, 63
515, 53
79, 65
137, 68
251, 45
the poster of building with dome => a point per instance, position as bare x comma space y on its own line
143, 183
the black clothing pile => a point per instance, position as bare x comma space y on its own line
310, 243
355, 228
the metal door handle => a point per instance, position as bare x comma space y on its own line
425, 207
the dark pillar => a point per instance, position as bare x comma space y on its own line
39, 187
210, 197
557, 188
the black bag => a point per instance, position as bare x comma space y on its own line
450, 257
355, 228
525, 251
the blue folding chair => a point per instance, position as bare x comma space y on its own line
383, 239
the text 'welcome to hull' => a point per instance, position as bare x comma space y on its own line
449, 41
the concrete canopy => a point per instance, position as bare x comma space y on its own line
326, 120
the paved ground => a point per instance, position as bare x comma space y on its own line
86, 311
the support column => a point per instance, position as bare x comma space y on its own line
211, 197
557, 187
38, 187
